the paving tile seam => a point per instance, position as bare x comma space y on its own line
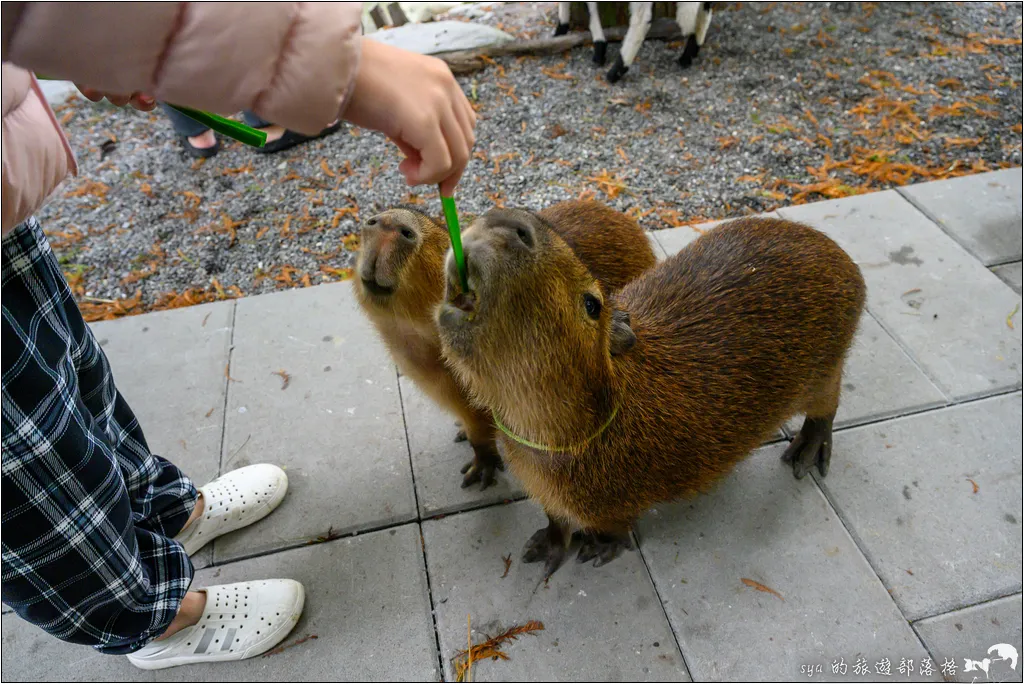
946, 393
419, 528
227, 388
925, 408
1006, 262
408, 444
976, 604
298, 544
661, 602
433, 606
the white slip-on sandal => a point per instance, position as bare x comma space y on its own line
240, 621
234, 500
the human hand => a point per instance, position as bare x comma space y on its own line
139, 101
416, 101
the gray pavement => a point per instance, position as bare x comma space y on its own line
906, 558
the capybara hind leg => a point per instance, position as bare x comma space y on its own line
603, 547
549, 545
813, 444
486, 459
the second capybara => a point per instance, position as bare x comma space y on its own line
612, 404
400, 282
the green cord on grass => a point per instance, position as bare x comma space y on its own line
451, 217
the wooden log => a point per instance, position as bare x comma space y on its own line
469, 61
613, 14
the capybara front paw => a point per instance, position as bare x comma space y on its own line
483, 469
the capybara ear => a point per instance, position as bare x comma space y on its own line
622, 338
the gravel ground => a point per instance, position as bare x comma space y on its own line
787, 103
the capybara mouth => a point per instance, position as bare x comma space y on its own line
465, 301
376, 289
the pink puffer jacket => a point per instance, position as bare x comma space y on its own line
292, 63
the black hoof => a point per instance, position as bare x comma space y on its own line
617, 71
483, 468
546, 546
600, 52
603, 547
812, 446
561, 29
689, 53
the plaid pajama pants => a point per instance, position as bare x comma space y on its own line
87, 511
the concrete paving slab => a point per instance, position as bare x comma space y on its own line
978, 633
366, 603
982, 212
946, 309
761, 581
169, 366
879, 381
674, 239
336, 427
437, 459
1011, 274
659, 251
601, 624
934, 501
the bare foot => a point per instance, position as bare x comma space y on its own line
273, 132
197, 512
204, 140
191, 609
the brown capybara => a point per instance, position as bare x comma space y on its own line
615, 403
401, 282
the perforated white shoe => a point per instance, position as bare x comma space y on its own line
240, 621
234, 500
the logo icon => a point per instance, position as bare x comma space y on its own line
1000, 653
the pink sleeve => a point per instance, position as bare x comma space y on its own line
292, 63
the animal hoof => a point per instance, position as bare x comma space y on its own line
482, 470
689, 53
602, 548
600, 52
460, 436
811, 447
617, 71
561, 30
541, 548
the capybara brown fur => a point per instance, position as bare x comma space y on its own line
401, 281
616, 403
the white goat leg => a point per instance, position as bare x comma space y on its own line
597, 34
640, 15
563, 19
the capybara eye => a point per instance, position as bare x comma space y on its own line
524, 236
408, 234
592, 305
371, 222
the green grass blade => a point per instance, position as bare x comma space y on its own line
451, 217
232, 129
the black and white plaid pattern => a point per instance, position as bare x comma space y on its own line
88, 511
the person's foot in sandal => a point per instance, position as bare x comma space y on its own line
232, 501
280, 139
204, 145
237, 621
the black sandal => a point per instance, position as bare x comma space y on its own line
291, 139
199, 152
